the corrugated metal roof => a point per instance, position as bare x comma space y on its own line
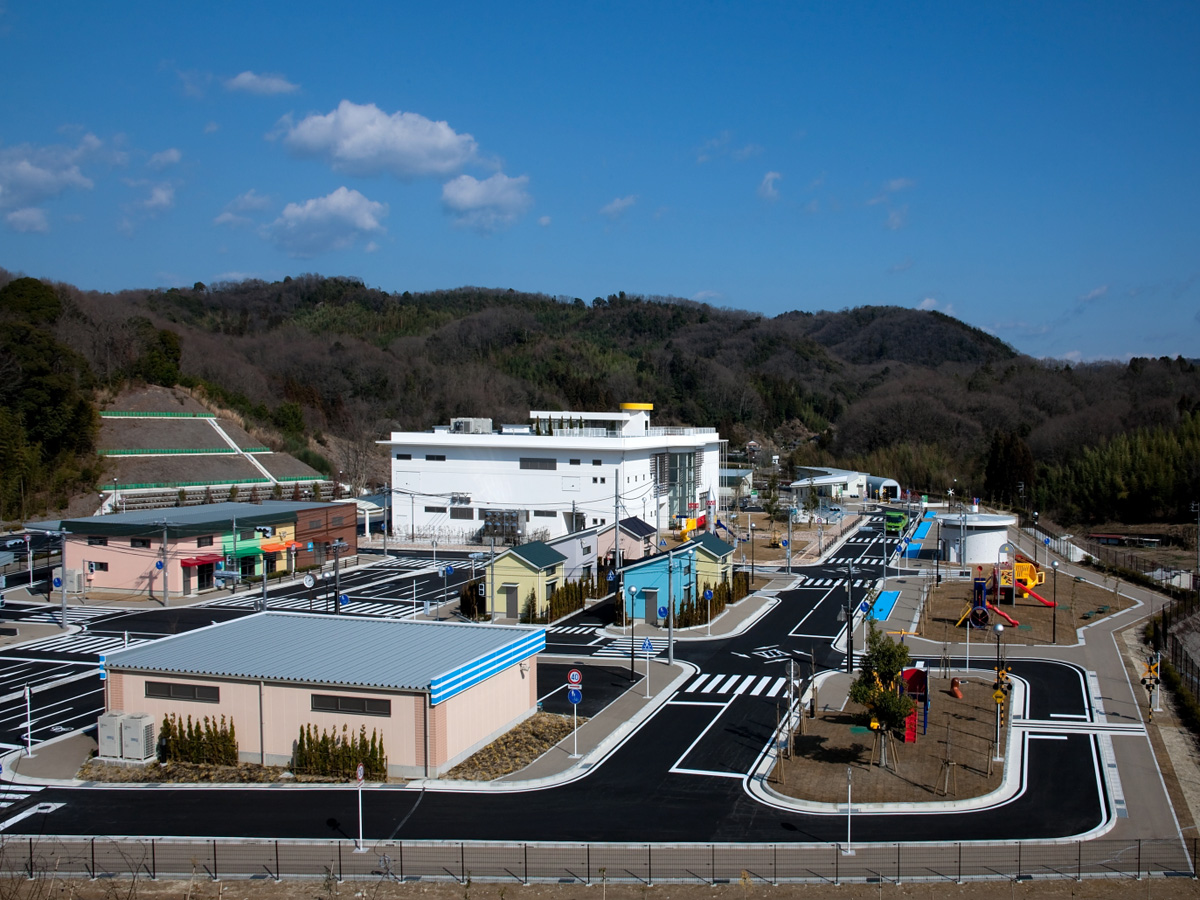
636, 527
185, 521
337, 650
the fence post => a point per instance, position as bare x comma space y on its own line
462, 862
897, 862
216, 875
526, 850
837, 878
340, 879
649, 865
589, 863
402, 860
93, 872
712, 864
775, 864
1079, 860
31, 859
1018, 860
960, 881
153, 860
1138, 876
277, 872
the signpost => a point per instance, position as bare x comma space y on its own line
359, 772
575, 695
647, 647
708, 597
309, 581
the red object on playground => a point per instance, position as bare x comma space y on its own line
1007, 618
1036, 596
910, 728
956, 688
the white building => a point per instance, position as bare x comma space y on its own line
565, 471
973, 538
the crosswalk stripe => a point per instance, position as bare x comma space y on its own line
12, 796
82, 643
741, 688
753, 685
762, 683
695, 685
776, 687
729, 683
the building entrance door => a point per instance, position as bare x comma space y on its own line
650, 598
511, 609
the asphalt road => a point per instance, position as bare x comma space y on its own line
681, 776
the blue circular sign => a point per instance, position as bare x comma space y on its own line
449, 571
574, 695
343, 599
662, 612
58, 582
708, 595
158, 564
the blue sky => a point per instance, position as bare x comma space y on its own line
1032, 169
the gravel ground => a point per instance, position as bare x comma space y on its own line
514, 750
190, 773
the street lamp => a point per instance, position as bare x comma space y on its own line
1054, 609
751, 554
937, 558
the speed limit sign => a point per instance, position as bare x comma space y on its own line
574, 677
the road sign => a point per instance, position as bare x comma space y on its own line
575, 695
662, 542
575, 677
449, 571
647, 646
783, 543
998, 696
1046, 541
158, 564
103, 669
343, 599
662, 612
612, 577
309, 581
57, 581
359, 773
708, 595
310, 545
864, 606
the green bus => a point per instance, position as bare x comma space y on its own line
895, 521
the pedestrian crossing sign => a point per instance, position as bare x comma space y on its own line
647, 646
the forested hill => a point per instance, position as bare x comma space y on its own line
915, 394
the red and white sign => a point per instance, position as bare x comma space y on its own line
359, 774
574, 677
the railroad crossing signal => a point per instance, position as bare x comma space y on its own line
1150, 676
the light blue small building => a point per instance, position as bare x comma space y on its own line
651, 582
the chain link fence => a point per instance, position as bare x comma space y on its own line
594, 863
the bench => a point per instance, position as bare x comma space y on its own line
1088, 614
1102, 610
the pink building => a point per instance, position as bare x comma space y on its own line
435, 692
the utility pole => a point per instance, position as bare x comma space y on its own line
165, 590
64, 580
1196, 510
791, 513
850, 621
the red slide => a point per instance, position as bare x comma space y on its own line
1007, 618
1037, 596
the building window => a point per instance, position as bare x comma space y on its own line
204, 541
97, 567
140, 543
534, 462
170, 690
247, 535
435, 457
574, 462
595, 462
336, 520
403, 456
362, 706
458, 512
545, 513
435, 509
97, 541
314, 524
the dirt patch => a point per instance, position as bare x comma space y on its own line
191, 773
1079, 604
959, 730
514, 750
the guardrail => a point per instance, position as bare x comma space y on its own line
594, 863
116, 414
167, 452
185, 484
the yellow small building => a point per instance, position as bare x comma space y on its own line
714, 560
534, 568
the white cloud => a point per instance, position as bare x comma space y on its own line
928, 303
544, 221
486, 205
251, 201
211, 127
767, 189
29, 174
932, 303
364, 140
1073, 356
897, 218
1094, 294
618, 206
707, 296
168, 157
332, 222
265, 85
898, 184
372, 247
29, 219
162, 196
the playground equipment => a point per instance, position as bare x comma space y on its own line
721, 526
978, 611
688, 525
774, 544
1019, 575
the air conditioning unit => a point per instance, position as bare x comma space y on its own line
108, 734
76, 581
138, 737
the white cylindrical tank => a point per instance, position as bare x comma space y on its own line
973, 538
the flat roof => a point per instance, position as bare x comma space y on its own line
441, 658
188, 521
